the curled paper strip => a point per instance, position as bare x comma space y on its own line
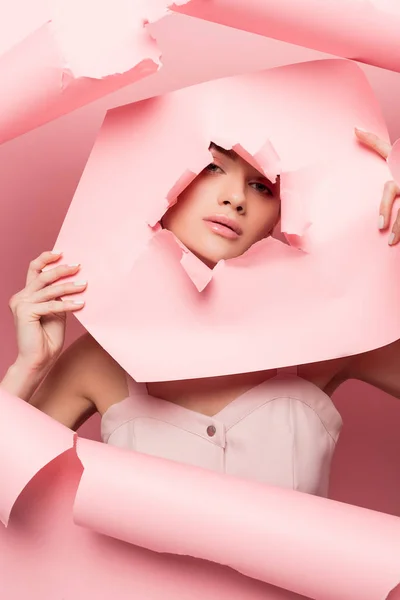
56, 69
29, 441
271, 534
394, 161
175, 317
316, 24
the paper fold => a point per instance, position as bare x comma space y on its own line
369, 33
29, 441
82, 51
394, 161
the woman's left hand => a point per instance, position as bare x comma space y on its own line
391, 190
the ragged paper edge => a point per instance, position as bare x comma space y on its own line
294, 222
120, 39
393, 161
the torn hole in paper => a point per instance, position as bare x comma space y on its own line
213, 216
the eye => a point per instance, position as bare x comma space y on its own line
262, 188
213, 168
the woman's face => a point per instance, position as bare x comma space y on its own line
225, 210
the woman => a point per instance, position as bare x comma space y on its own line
275, 427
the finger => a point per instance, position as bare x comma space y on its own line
394, 237
55, 307
36, 266
52, 292
390, 192
374, 142
50, 276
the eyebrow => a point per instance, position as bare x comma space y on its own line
230, 153
234, 156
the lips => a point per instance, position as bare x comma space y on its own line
225, 222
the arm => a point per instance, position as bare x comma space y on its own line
380, 368
69, 387
62, 394
84, 380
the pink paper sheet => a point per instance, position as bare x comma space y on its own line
363, 30
160, 316
82, 51
270, 534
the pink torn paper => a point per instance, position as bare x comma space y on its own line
394, 161
271, 534
82, 50
28, 442
293, 304
369, 32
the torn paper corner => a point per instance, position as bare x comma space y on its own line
266, 160
393, 161
119, 37
30, 441
199, 273
158, 208
297, 188
294, 219
157, 9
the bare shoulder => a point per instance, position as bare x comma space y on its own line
101, 379
328, 374
84, 380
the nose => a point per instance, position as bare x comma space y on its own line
234, 196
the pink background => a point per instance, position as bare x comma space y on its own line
39, 173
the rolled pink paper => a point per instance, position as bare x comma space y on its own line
29, 441
82, 51
309, 545
363, 30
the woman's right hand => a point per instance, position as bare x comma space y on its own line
40, 315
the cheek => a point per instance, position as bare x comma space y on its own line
180, 215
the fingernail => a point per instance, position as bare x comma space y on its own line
78, 302
391, 239
74, 265
361, 129
56, 252
80, 283
381, 221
